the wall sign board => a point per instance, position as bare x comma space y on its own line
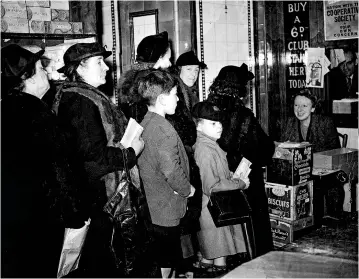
296, 28
340, 20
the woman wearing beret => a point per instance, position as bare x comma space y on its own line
37, 197
244, 137
153, 52
94, 129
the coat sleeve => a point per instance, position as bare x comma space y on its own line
211, 180
171, 165
88, 133
331, 138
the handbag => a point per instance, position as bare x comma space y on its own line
229, 207
71, 249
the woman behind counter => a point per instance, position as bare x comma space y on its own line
308, 126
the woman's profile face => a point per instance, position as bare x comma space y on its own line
38, 84
93, 71
303, 108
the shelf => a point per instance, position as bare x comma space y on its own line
5, 35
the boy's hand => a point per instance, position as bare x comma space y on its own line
137, 143
242, 183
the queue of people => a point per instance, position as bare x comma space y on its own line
62, 164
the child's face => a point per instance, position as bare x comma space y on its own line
170, 101
210, 128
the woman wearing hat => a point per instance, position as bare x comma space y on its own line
244, 137
153, 52
94, 129
36, 188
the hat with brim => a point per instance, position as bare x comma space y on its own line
80, 51
207, 110
152, 47
16, 60
236, 75
189, 58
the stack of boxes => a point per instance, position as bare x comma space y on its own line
47, 17
289, 189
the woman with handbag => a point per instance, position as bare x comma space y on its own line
216, 243
36, 189
94, 128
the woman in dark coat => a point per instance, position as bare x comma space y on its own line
244, 137
153, 52
94, 128
308, 126
37, 198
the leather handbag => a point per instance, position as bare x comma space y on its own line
229, 207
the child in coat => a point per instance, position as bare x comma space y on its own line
215, 243
164, 169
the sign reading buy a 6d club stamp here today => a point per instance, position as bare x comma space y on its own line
340, 20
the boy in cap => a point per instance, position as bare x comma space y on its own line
215, 243
163, 168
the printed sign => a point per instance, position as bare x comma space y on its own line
340, 20
296, 28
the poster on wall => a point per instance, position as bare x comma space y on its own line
316, 67
340, 20
296, 28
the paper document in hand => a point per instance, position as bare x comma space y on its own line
131, 131
243, 169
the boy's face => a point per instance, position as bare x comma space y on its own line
170, 101
210, 128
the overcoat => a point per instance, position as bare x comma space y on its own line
243, 136
215, 175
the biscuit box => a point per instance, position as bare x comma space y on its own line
39, 26
292, 164
61, 5
283, 232
15, 25
345, 106
60, 15
33, 3
38, 13
345, 159
290, 202
64, 27
13, 10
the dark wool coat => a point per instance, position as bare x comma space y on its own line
37, 197
243, 136
322, 133
94, 128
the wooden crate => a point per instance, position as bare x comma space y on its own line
290, 203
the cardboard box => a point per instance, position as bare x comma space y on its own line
283, 232
60, 15
63, 27
33, 3
290, 202
345, 106
39, 26
60, 5
14, 25
38, 13
13, 10
292, 164
345, 159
